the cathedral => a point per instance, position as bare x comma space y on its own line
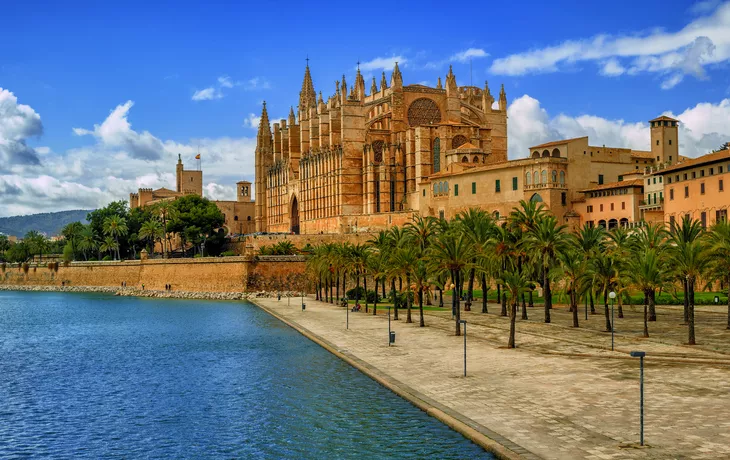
358, 160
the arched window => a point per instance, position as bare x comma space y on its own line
476, 160
458, 141
495, 214
423, 111
378, 151
543, 176
235, 217
436, 188
556, 153
545, 153
528, 178
446, 187
436, 155
248, 217
465, 160
535, 154
562, 177
555, 176
535, 178
536, 198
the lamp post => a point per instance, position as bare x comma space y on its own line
390, 333
453, 302
612, 295
586, 299
463, 322
347, 314
640, 355
303, 304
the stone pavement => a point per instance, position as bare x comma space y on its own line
540, 396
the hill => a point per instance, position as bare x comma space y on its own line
49, 223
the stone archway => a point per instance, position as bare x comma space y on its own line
294, 215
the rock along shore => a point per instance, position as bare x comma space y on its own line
134, 292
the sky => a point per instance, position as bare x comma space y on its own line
98, 99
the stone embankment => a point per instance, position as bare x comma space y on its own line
134, 292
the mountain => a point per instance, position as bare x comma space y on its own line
49, 223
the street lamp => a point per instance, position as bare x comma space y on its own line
463, 322
640, 355
612, 295
391, 334
303, 304
453, 300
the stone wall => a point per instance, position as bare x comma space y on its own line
213, 274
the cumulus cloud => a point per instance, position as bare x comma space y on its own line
116, 133
471, 53
702, 42
18, 122
702, 128
383, 63
207, 94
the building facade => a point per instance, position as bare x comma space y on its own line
239, 214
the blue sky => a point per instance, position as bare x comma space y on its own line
98, 98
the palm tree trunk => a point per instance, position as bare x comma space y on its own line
383, 288
337, 283
420, 307
524, 307
652, 307
685, 288
357, 289
620, 307
375, 300
319, 288
470, 288
547, 295
512, 324
691, 314
530, 300
605, 309
485, 294
408, 299
441, 300
524, 302
728, 302
503, 300
344, 285
646, 316
574, 307
499, 295
365, 288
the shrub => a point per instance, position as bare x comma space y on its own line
401, 298
107, 257
352, 294
228, 253
197, 256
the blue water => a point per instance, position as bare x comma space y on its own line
92, 376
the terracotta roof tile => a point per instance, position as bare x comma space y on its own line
664, 118
621, 184
553, 143
467, 145
642, 154
704, 159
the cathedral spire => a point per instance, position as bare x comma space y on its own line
487, 98
396, 79
451, 87
502, 99
383, 83
307, 96
373, 87
264, 127
292, 120
439, 85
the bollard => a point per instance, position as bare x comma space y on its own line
392, 337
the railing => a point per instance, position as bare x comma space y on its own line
545, 185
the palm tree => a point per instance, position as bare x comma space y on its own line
151, 231
590, 241
87, 241
451, 251
648, 273
516, 283
397, 237
650, 236
115, 227
619, 250
166, 211
719, 241
403, 263
603, 270
477, 225
72, 232
689, 257
37, 242
109, 245
546, 240
573, 265
357, 259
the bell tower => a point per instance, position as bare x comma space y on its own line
664, 140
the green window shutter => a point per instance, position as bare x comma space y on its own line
497, 186
473, 188
456, 189
514, 183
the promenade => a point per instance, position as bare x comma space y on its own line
562, 394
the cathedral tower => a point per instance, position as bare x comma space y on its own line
264, 157
664, 140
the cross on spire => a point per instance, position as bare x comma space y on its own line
358, 64
307, 60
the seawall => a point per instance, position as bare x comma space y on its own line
210, 274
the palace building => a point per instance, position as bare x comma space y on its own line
361, 161
239, 214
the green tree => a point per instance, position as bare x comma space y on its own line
647, 273
109, 245
516, 283
199, 216
72, 234
150, 232
37, 243
115, 227
547, 239
719, 241
88, 241
4, 245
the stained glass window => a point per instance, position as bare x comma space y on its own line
436, 155
423, 111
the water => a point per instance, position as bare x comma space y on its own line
92, 376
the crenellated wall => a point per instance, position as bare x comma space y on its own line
228, 274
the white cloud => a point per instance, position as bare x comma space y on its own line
383, 63
704, 6
116, 133
220, 192
702, 128
207, 94
471, 53
702, 42
225, 81
612, 68
18, 122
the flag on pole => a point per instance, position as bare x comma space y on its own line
197, 157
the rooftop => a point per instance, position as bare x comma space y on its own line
612, 185
561, 142
699, 161
664, 118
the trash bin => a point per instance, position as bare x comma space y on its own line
717, 299
304, 306
392, 336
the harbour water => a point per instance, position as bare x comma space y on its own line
97, 376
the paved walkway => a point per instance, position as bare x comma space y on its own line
541, 396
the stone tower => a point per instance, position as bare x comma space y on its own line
264, 157
243, 191
664, 140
